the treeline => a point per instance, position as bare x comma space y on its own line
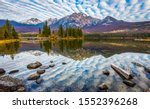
68, 32
117, 36
46, 31
8, 31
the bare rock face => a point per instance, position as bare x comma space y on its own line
34, 76
9, 84
34, 65
2, 71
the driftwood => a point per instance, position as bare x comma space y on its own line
124, 74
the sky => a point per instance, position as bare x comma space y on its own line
128, 10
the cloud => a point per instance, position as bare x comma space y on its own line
129, 10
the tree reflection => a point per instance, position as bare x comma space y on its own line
9, 49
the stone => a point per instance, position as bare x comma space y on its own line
147, 69
34, 76
103, 86
34, 65
44, 67
13, 71
64, 63
40, 72
9, 84
147, 90
52, 65
137, 64
106, 72
2, 71
39, 80
21, 89
51, 61
129, 83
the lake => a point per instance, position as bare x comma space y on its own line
77, 49
78, 65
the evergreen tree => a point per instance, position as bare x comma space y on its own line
61, 31
39, 30
8, 27
14, 33
46, 30
6, 35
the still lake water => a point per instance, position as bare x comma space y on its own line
77, 49
85, 63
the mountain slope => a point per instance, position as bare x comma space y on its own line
21, 27
109, 24
33, 21
75, 20
87, 23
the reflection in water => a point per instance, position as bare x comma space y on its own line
69, 48
9, 49
67, 45
61, 45
77, 49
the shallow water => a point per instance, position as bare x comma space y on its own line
83, 71
85, 75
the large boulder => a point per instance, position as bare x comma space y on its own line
34, 65
34, 76
9, 84
2, 71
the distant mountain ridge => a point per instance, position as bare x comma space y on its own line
33, 21
87, 23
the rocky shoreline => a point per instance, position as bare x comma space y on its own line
59, 73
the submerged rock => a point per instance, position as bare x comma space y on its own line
9, 84
147, 69
103, 87
129, 83
106, 72
39, 80
137, 64
34, 65
51, 61
40, 72
21, 89
52, 65
2, 71
34, 76
64, 63
44, 67
13, 71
